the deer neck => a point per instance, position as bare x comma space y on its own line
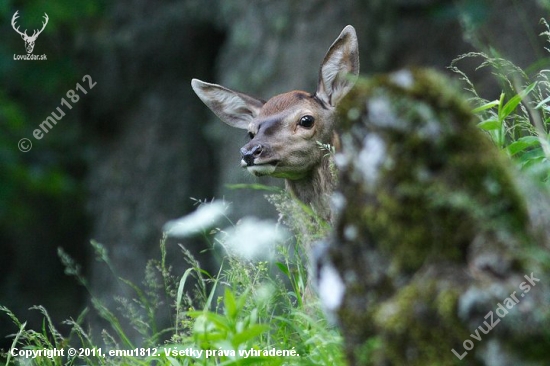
315, 189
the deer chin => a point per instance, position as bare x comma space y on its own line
262, 169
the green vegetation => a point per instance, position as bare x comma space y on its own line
44, 188
518, 121
250, 312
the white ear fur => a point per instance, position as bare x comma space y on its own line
234, 108
340, 68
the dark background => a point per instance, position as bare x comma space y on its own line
134, 149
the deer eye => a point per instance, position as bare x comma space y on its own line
306, 121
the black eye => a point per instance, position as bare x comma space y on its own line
251, 135
306, 121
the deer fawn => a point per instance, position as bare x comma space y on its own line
285, 131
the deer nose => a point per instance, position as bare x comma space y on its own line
249, 155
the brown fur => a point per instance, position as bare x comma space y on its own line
315, 189
286, 101
281, 145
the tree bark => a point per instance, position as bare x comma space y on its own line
439, 243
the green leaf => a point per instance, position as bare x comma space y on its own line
242, 299
254, 186
16, 339
230, 304
218, 320
249, 334
113, 321
512, 104
179, 295
283, 268
534, 163
489, 125
532, 157
509, 107
486, 106
522, 144
528, 90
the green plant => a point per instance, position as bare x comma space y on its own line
518, 121
250, 312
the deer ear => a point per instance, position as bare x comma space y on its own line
234, 108
340, 68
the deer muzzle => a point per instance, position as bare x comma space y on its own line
249, 154
255, 158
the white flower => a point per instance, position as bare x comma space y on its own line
331, 288
204, 218
252, 238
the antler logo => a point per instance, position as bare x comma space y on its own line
29, 40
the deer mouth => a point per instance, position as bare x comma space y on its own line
262, 168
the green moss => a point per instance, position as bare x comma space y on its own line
441, 181
437, 195
421, 317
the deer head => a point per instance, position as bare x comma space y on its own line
284, 131
29, 40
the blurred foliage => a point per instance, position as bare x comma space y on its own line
243, 313
42, 192
518, 122
30, 91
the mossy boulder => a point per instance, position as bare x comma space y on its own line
435, 231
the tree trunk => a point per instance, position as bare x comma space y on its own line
439, 244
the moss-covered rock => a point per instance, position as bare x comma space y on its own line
434, 229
